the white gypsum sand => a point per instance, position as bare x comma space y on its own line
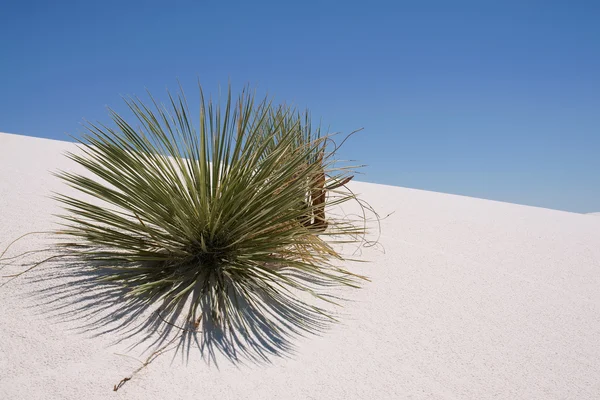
472, 299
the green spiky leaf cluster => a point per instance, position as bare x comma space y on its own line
217, 215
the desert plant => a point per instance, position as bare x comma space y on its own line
214, 219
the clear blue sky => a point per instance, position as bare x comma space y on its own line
492, 99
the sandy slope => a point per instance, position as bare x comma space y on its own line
472, 299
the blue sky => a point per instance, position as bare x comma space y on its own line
492, 99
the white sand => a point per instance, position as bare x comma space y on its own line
473, 299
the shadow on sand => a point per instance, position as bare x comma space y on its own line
73, 294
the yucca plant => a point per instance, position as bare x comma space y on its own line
223, 222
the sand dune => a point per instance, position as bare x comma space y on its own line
469, 299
